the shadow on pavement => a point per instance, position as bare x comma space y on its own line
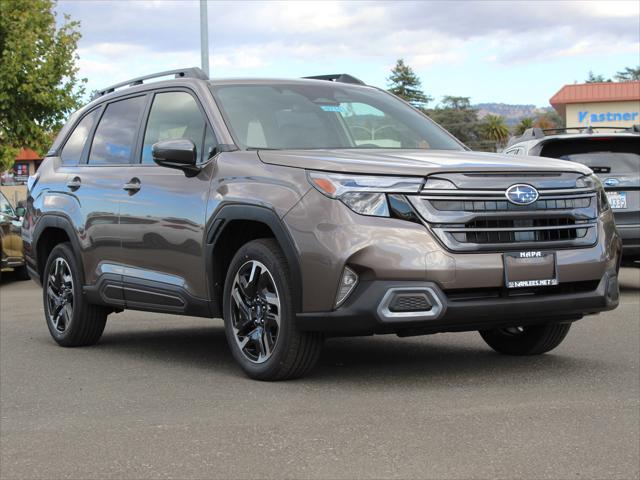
356, 360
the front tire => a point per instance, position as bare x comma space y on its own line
533, 340
72, 321
259, 315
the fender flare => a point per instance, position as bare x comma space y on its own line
63, 223
227, 213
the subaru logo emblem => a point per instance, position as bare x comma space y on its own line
521, 194
611, 182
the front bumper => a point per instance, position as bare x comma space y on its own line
363, 313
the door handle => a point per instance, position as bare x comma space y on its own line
133, 186
74, 184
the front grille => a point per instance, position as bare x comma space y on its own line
504, 206
483, 231
476, 218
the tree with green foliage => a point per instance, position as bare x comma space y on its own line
549, 119
592, 78
524, 124
404, 83
629, 74
39, 84
495, 130
456, 116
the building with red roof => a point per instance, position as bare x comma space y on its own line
606, 104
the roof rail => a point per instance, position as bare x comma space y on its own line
193, 72
338, 77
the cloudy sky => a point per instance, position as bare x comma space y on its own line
493, 51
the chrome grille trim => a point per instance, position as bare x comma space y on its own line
475, 219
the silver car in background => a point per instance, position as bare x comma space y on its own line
613, 156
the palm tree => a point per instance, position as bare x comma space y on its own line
495, 130
524, 124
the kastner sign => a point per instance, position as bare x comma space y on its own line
586, 116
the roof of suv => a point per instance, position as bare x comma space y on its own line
195, 73
533, 136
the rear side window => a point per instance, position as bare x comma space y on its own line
114, 140
175, 115
72, 150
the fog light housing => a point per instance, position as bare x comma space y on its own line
348, 282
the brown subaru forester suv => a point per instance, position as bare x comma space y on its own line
297, 209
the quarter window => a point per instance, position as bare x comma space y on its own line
72, 150
176, 115
114, 140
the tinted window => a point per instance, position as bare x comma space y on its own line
72, 150
290, 116
113, 142
5, 206
614, 155
174, 115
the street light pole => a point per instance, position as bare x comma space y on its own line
204, 37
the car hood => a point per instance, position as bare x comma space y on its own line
414, 162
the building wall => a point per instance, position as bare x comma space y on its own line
14, 193
603, 114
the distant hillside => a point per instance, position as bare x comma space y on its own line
512, 113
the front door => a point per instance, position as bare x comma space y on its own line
163, 214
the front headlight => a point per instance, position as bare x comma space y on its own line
364, 194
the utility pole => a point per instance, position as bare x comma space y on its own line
204, 36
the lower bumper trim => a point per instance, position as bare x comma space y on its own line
361, 316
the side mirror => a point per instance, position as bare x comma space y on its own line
20, 211
180, 154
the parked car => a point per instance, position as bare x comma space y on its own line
11, 252
613, 156
296, 209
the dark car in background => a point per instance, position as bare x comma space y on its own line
11, 251
613, 156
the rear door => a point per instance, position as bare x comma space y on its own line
98, 185
163, 215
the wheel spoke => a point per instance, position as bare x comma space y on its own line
52, 295
264, 341
245, 313
67, 312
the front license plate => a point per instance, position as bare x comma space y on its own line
530, 269
617, 200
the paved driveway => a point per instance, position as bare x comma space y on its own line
160, 397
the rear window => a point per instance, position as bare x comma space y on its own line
601, 154
72, 150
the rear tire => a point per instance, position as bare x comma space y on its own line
533, 340
259, 316
72, 321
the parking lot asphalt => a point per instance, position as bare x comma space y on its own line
160, 397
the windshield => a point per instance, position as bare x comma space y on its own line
297, 116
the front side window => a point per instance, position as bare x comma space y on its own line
5, 206
175, 115
113, 142
72, 150
305, 116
